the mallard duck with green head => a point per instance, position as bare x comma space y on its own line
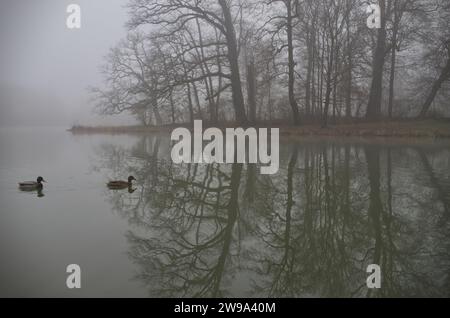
32, 185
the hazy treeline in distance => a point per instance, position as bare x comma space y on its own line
293, 61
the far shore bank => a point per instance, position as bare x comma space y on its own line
384, 129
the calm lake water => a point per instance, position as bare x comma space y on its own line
213, 230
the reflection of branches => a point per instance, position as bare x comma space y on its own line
309, 230
140, 160
307, 244
187, 257
397, 246
333, 241
442, 194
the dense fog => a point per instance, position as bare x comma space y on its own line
46, 67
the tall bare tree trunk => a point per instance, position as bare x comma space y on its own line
291, 64
374, 106
190, 105
328, 85
212, 108
189, 95
197, 100
393, 58
348, 93
251, 90
172, 106
335, 86
310, 44
236, 86
158, 117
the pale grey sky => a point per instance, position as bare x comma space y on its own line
45, 67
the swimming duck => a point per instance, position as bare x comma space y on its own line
120, 184
32, 185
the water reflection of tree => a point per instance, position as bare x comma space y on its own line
141, 160
313, 236
310, 230
193, 232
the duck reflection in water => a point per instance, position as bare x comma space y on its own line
38, 191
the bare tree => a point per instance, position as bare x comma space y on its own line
439, 53
374, 105
178, 13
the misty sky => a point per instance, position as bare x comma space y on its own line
46, 67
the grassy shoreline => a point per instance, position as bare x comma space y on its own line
397, 129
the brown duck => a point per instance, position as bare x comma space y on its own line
121, 184
32, 185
